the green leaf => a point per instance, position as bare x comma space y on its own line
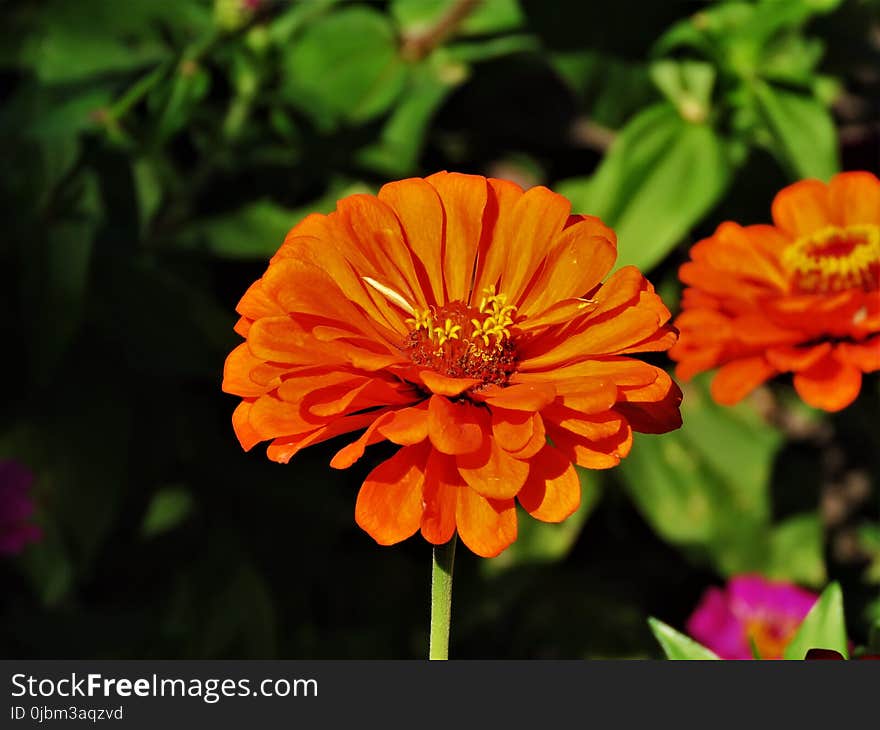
541, 542
148, 189
676, 645
77, 41
792, 60
485, 50
660, 176
296, 16
257, 230
770, 17
688, 85
344, 67
699, 496
47, 563
168, 508
744, 38
402, 138
189, 86
62, 113
823, 628
803, 134
708, 30
613, 90
796, 551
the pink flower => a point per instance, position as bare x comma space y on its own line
16, 508
750, 609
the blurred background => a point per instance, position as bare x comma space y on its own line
155, 153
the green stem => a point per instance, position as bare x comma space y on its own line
441, 599
137, 92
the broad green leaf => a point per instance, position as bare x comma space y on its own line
295, 17
254, 231
169, 507
797, 551
344, 66
792, 550
402, 138
792, 60
542, 542
62, 113
744, 37
77, 41
700, 496
62, 54
661, 175
823, 628
257, 230
706, 31
804, 138
771, 16
676, 645
869, 540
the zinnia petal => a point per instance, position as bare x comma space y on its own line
389, 504
829, 384
486, 526
464, 199
492, 471
553, 491
420, 212
854, 198
735, 380
456, 428
443, 484
802, 208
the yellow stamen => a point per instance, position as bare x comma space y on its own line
421, 320
448, 331
499, 319
834, 259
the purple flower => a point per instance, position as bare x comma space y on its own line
750, 609
16, 508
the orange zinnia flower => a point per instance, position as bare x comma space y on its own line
465, 320
800, 296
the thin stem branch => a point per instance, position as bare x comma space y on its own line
441, 599
416, 48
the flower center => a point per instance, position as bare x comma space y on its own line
770, 637
465, 342
835, 259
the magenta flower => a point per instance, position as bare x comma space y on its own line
750, 609
16, 508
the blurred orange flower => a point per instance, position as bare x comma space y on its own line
800, 296
464, 320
